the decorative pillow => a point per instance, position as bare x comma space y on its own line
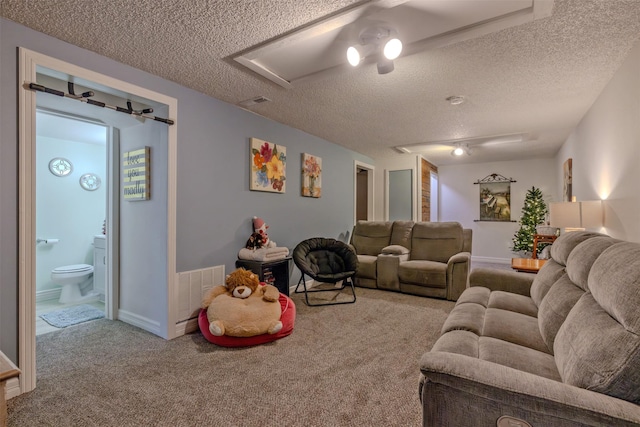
395, 250
287, 318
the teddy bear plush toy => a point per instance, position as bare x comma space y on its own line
243, 307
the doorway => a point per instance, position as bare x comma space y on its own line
363, 192
164, 137
72, 183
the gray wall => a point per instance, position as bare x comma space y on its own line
215, 206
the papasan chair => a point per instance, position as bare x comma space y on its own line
327, 261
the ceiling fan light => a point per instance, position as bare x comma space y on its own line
458, 151
392, 48
354, 56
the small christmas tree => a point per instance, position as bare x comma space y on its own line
534, 213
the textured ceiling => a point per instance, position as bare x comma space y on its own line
540, 77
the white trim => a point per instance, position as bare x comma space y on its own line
370, 188
27, 67
26, 224
140, 321
48, 295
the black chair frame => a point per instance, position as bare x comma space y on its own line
327, 261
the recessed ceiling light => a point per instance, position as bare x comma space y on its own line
455, 99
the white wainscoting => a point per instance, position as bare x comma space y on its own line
192, 285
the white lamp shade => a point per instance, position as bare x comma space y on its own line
586, 214
564, 214
591, 214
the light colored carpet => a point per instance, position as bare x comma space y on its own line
72, 315
345, 365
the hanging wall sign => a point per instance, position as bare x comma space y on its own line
495, 198
136, 174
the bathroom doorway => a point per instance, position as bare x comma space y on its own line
72, 183
154, 217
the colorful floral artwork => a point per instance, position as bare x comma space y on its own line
268, 166
311, 175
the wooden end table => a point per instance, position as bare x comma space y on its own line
541, 238
527, 265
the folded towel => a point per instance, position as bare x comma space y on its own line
264, 254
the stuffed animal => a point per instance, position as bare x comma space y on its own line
243, 307
259, 226
255, 241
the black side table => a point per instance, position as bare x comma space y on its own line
274, 273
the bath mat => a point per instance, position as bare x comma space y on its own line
72, 315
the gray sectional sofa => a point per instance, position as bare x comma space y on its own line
560, 348
430, 259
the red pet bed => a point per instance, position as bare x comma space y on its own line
287, 318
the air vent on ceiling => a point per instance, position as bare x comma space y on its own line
254, 101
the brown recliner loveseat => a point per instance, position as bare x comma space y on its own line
423, 258
560, 348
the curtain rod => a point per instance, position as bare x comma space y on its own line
85, 97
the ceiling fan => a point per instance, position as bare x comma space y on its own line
466, 145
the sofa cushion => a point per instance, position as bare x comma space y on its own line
401, 233
369, 237
436, 241
583, 256
567, 290
424, 273
518, 357
367, 265
598, 345
555, 307
494, 350
562, 247
465, 317
513, 327
546, 277
513, 302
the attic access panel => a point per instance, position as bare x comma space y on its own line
314, 50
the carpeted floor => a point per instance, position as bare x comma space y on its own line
345, 365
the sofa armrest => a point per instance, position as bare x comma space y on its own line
458, 268
387, 271
502, 280
465, 391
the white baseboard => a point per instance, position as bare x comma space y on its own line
140, 322
491, 260
12, 388
48, 294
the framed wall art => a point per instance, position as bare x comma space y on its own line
495, 198
311, 175
136, 171
268, 166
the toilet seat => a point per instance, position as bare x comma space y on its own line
75, 268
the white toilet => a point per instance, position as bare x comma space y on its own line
70, 277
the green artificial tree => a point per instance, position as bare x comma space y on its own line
534, 213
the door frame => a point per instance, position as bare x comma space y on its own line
370, 193
28, 61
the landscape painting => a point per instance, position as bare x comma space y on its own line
495, 201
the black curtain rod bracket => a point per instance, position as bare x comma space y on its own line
85, 97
